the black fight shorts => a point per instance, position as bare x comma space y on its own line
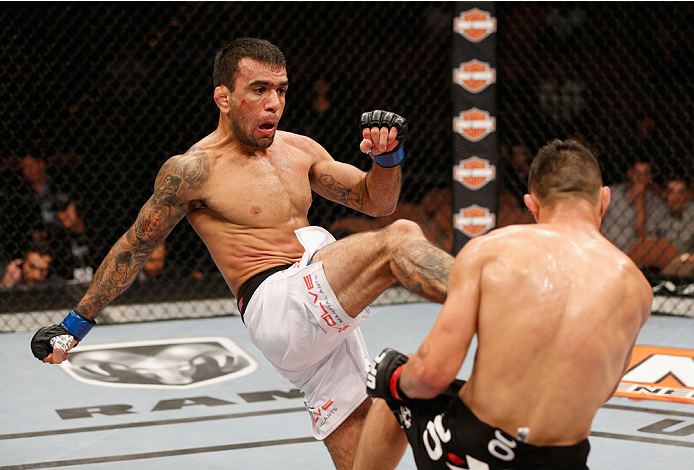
445, 434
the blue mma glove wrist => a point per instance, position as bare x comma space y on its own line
383, 378
390, 160
74, 325
77, 325
379, 119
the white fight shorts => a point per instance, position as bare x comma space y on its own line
295, 320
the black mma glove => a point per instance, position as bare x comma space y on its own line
74, 326
383, 378
380, 118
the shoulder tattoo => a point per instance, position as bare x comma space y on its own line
181, 174
174, 188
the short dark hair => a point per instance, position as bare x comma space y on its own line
226, 63
678, 178
565, 169
39, 246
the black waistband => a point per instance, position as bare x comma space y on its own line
527, 455
248, 288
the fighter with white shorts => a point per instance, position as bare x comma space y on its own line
295, 319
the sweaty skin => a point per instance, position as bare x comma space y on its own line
245, 188
256, 232
556, 308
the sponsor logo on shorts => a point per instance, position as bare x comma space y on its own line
474, 124
309, 283
475, 24
474, 76
435, 435
405, 417
474, 220
322, 414
329, 315
658, 373
172, 363
474, 173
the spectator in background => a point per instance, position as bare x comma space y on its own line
352, 224
38, 198
156, 266
27, 200
669, 242
437, 207
634, 203
9, 231
32, 269
71, 243
20, 210
676, 225
434, 215
681, 266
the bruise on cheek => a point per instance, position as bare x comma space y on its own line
244, 104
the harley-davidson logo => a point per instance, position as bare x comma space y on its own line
474, 25
474, 76
474, 220
474, 172
474, 124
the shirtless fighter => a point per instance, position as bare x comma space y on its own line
556, 308
246, 189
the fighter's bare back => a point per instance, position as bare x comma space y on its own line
554, 318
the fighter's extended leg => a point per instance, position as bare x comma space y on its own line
360, 267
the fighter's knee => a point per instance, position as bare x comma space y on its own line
404, 228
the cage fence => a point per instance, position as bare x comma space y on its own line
98, 95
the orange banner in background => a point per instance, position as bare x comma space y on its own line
659, 373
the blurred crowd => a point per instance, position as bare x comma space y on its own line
589, 69
44, 232
650, 216
46, 238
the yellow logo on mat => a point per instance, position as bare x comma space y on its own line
657, 373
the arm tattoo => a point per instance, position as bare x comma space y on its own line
178, 179
197, 170
167, 188
341, 193
183, 173
150, 227
114, 276
175, 187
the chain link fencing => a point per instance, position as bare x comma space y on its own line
98, 95
617, 77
